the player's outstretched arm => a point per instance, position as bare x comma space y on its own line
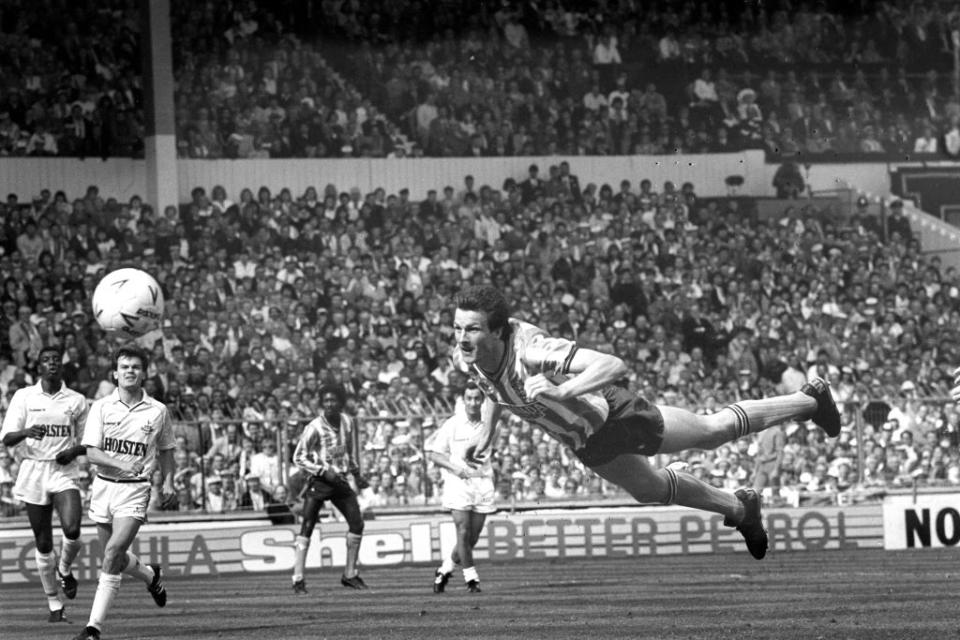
589, 370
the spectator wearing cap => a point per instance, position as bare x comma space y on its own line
217, 499
254, 497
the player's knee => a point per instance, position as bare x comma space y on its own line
44, 544
356, 527
71, 531
114, 558
306, 529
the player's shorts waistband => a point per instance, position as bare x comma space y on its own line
127, 481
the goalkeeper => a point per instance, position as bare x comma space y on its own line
326, 451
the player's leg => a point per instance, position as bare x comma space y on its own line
477, 520
461, 518
115, 538
311, 511
647, 485
41, 522
68, 506
473, 525
686, 430
348, 505
442, 575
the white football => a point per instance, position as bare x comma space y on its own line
128, 302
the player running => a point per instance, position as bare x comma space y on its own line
45, 420
326, 450
127, 435
570, 393
461, 446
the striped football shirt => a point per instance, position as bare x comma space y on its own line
530, 351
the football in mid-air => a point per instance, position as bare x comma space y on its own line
128, 302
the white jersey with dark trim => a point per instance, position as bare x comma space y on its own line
530, 351
466, 442
61, 414
128, 433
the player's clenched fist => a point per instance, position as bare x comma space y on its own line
540, 385
36, 432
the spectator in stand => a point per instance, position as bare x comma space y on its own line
265, 464
626, 232
254, 497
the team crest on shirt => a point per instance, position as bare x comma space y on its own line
147, 428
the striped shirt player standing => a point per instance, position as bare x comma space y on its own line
44, 422
569, 392
326, 450
462, 447
127, 435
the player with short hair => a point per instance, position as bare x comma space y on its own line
570, 393
44, 421
327, 450
127, 435
462, 447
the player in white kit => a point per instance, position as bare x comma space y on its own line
461, 446
44, 422
127, 434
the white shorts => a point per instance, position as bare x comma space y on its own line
472, 494
39, 479
109, 500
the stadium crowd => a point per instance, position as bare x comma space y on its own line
389, 79
270, 295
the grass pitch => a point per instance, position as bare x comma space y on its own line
855, 594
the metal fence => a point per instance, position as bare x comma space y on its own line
861, 417
202, 438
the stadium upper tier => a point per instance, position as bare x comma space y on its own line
275, 79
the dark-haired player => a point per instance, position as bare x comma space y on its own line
462, 447
44, 421
326, 451
127, 434
570, 393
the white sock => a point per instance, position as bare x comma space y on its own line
448, 566
107, 588
68, 553
46, 562
300, 546
470, 574
137, 569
